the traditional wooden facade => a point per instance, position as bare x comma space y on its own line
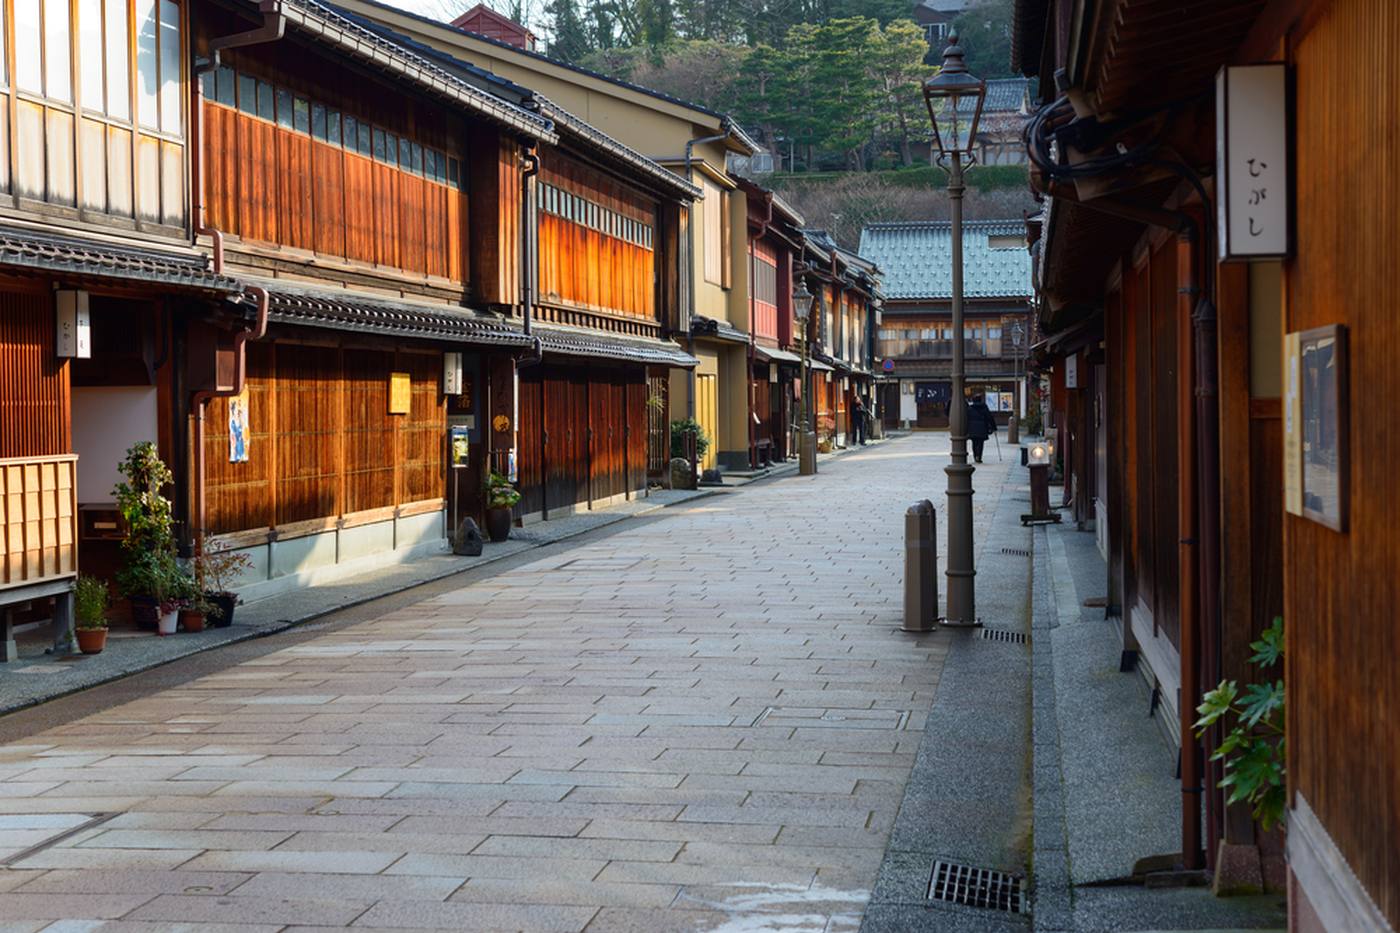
775, 243
707, 300
916, 336
1173, 396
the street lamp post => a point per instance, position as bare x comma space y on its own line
954, 92
806, 438
1013, 427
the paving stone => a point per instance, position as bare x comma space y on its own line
467, 916
180, 908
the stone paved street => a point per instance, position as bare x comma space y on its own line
703, 720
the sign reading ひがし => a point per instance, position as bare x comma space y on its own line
1251, 139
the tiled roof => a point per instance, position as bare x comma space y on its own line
345, 310
561, 120
578, 341
83, 258
701, 326
339, 29
728, 125
1004, 95
916, 259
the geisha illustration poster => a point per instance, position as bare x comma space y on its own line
238, 427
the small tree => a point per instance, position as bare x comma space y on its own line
148, 543
678, 431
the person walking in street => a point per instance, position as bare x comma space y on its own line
858, 420
981, 424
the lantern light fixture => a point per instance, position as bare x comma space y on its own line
953, 92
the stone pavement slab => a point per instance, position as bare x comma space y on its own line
703, 720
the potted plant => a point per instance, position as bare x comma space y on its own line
501, 497
148, 539
90, 598
193, 606
216, 570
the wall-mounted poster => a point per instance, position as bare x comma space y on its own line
400, 393
1322, 391
458, 445
238, 427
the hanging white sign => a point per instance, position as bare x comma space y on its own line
1251, 141
73, 339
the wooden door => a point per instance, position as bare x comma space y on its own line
531, 451
707, 414
578, 436
637, 435
558, 440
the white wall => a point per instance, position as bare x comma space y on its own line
106, 421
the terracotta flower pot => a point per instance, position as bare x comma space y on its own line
498, 524
92, 640
168, 622
191, 620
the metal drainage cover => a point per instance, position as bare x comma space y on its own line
1016, 551
976, 887
24, 835
1001, 634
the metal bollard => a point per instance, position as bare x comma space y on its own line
920, 568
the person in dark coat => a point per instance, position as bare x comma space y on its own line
981, 424
858, 420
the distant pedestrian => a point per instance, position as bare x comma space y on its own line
980, 425
858, 420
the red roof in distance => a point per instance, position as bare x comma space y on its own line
485, 21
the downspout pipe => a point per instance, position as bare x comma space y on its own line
274, 26
528, 240
690, 256
200, 399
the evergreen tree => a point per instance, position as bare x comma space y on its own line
570, 35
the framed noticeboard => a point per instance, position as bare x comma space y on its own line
1316, 416
400, 393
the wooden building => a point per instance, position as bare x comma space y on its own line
916, 336
775, 244
1234, 484
694, 142
294, 249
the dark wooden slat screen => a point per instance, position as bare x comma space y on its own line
34, 387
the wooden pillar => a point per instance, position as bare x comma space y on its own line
500, 427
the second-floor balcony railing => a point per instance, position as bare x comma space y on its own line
943, 350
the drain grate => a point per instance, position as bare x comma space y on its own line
1001, 634
976, 887
1016, 551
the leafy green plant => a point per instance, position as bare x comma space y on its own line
1253, 750
679, 429
148, 522
90, 599
500, 494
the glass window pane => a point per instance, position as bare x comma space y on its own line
405, 155
333, 127
391, 149
118, 79
147, 70
206, 86
223, 86
352, 132
380, 143
415, 158
58, 80
247, 94
301, 115
452, 171
365, 146
28, 62
318, 121
171, 113
267, 101
90, 52
284, 107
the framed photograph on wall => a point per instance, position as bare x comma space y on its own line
1324, 412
